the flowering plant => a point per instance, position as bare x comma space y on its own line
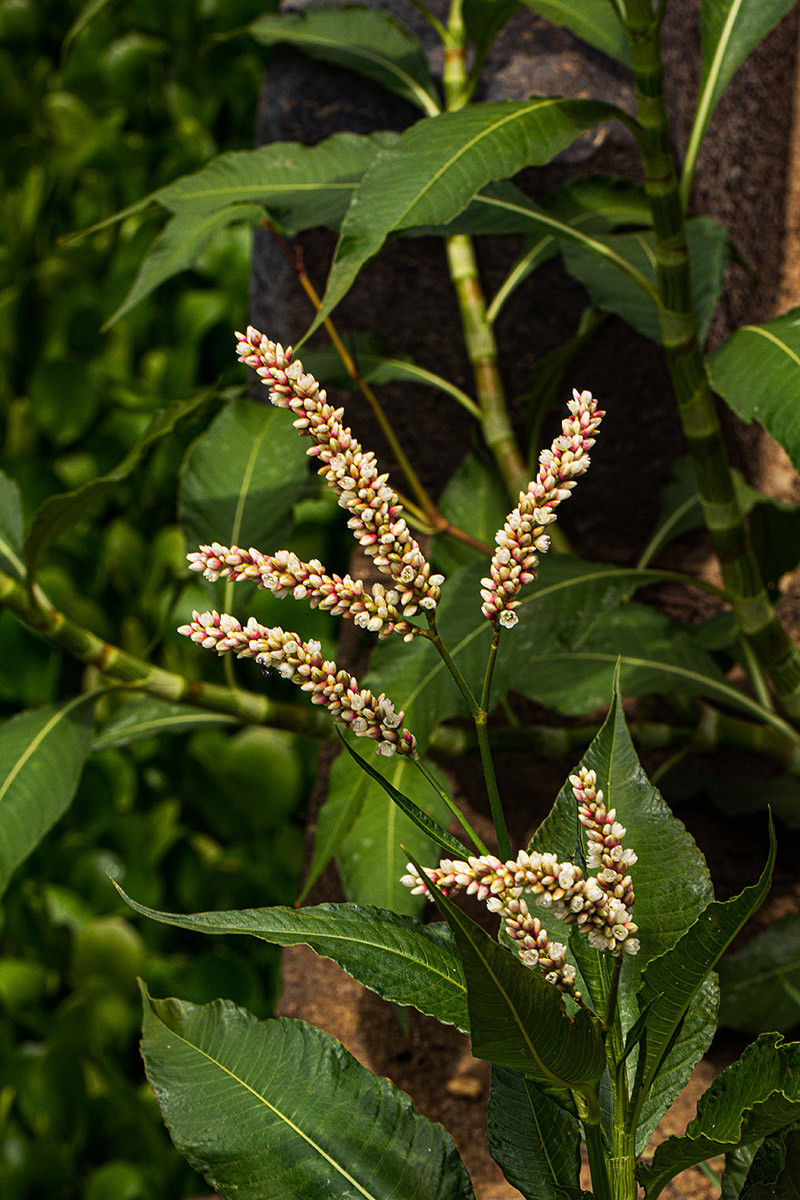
592, 1021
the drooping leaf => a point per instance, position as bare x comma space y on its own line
42, 753
729, 30
399, 958
366, 40
517, 1019
737, 1164
614, 291
756, 1096
572, 630
671, 982
761, 982
439, 164
757, 373
534, 1140
280, 1108
178, 247
240, 479
588, 206
69, 506
12, 528
148, 716
595, 21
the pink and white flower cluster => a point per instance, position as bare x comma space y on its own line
601, 906
283, 574
302, 662
376, 513
524, 535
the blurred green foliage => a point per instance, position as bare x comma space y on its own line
100, 105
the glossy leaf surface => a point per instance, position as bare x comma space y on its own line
366, 40
756, 1096
439, 164
757, 373
42, 753
399, 958
148, 716
534, 1141
280, 1108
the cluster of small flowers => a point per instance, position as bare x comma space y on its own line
607, 856
283, 574
524, 533
600, 906
375, 509
302, 662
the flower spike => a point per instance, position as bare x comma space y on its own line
524, 535
376, 513
302, 662
600, 906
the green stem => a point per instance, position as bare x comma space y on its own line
479, 716
122, 668
721, 512
597, 1153
479, 845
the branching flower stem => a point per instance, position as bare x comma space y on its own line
744, 583
479, 716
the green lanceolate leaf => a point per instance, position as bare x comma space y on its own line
615, 291
240, 479
279, 1108
42, 753
378, 369
534, 1140
756, 1096
362, 39
178, 247
517, 1019
12, 528
439, 164
595, 21
737, 1164
148, 716
671, 982
761, 982
729, 30
301, 187
68, 506
693, 1040
670, 878
399, 958
757, 373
